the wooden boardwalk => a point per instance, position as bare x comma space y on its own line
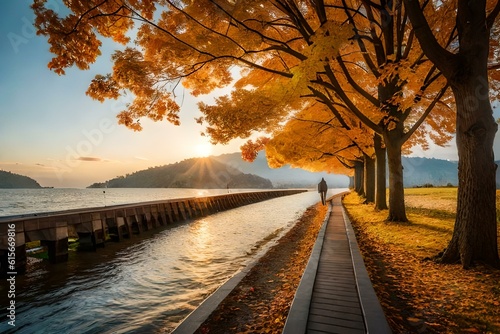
335, 294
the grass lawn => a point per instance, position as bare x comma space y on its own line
417, 294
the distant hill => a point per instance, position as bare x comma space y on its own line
230, 169
201, 173
284, 177
417, 172
10, 180
422, 171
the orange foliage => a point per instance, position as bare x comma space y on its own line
250, 149
291, 55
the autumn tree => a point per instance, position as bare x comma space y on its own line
384, 57
197, 44
344, 83
465, 65
314, 140
289, 52
395, 87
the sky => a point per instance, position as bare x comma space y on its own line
51, 131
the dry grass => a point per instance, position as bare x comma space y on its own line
421, 296
443, 199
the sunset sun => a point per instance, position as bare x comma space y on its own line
203, 150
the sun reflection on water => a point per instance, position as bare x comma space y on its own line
151, 282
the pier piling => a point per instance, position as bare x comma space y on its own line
92, 226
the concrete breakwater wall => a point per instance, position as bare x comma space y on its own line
94, 227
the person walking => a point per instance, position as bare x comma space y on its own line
322, 189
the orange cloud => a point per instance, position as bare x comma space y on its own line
89, 159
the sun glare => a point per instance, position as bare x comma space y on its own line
203, 150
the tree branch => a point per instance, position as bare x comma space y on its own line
443, 59
293, 12
209, 55
415, 126
343, 96
268, 39
359, 38
377, 43
328, 102
355, 85
344, 163
335, 154
319, 6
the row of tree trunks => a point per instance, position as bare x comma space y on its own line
370, 176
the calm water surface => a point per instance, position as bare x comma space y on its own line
148, 284
27, 201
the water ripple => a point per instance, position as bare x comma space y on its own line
148, 284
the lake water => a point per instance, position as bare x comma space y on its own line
27, 201
147, 284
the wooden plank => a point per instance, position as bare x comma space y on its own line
319, 307
335, 306
341, 297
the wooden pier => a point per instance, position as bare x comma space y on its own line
335, 294
93, 227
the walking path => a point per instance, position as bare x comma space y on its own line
335, 294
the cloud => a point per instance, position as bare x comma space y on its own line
41, 167
141, 158
89, 159
10, 163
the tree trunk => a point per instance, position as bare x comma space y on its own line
475, 232
369, 179
380, 174
397, 211
358, 178
351, 182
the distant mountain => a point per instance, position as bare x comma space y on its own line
230, 170
284, 177
202, 173
421, 171
10, 180
417, 172
424, 171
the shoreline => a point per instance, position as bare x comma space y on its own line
263, 293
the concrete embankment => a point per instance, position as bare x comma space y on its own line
94, 227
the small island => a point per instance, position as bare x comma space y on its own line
200, 173
9, 180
